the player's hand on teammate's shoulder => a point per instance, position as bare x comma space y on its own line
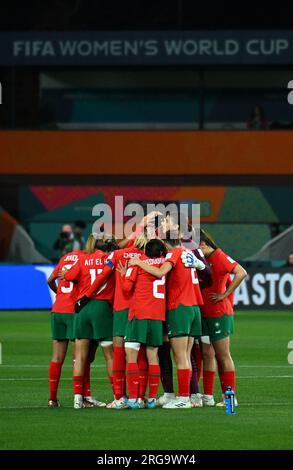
122, 268
135, 261
61, 274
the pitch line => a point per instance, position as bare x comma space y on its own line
97, 379
43, 366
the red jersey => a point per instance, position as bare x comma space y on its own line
67, 292
221, 265
85, 271
121, 297
149, 293
183, 284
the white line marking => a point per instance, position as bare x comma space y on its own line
36, 379
266, 366
264, 376
41, 366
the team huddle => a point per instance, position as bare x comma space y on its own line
141, 301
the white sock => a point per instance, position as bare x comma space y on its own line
78, 397
169, 395
132, 400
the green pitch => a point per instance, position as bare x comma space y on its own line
264, 418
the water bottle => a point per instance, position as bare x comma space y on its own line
230, 401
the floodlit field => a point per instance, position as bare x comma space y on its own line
264, 418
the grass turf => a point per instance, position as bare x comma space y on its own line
264, 419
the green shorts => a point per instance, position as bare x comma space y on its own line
184, 321
62, 326
120, 319
218, 327
148, 332
94, 321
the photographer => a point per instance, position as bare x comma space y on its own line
78, 238
64, 243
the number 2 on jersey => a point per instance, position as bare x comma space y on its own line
156, 285
194, 277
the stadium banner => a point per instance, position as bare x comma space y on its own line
48, 153
146, 48
262, 289
25, 287
266, 289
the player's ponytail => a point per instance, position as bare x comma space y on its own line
110, 243
90, 244
141, 241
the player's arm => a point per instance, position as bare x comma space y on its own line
100, 279
205, 274
191, 261
239, 274
52, 282
141, 226
128, 276
128, 280
156, 272
70, 274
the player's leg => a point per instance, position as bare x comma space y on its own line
120, 319
83, 334
153, 375
189, 348
220, 330
166, 366
101, 321
55, 367
179, 323
142, 363
87, 374
180, 352
73, 355
195, 396
195, 332
119, 368
81, 357
136, 334
62, 328
132, 373
226, 364
107, 348
209, 371
90, 401
196, 353
154, 339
